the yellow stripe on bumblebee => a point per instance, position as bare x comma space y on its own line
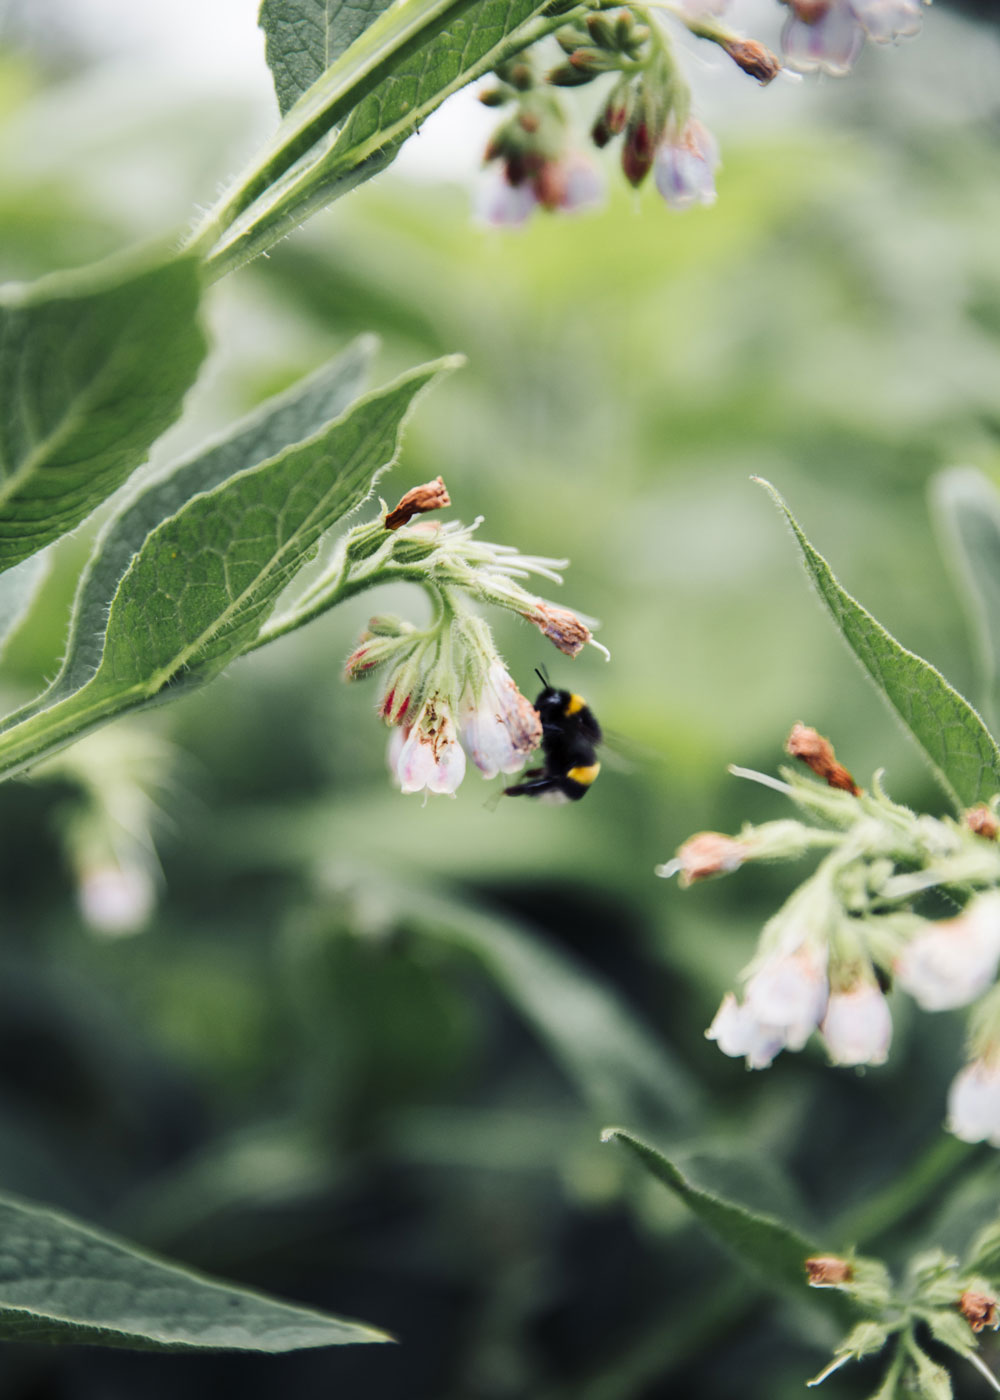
584, 776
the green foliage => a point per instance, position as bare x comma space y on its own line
288, 418
761, 1241
94, 366
351, 122
962, 752
303, 38
968, 508
196, 592
61, 1281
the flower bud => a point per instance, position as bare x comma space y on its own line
753, 58
703, 855
638, 151
828, 1271
562, 627
116, 899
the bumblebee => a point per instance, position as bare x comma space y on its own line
570, 735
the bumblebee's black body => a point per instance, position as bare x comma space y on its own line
570, 734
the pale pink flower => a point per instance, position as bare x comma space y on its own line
428, 754
885, 21
974, 1102
502, 204
500, 727
684, 166
116, 899
571, 184
738, 1033
952, 962
857, 1027
790, 992
785, 1001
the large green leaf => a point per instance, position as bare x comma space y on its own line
195, 595
61, 1281
303, 37
349, 124
94, 366
967, 507
288, 418
961, 750
764, 1243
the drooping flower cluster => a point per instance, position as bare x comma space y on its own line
950, 1299
648, 102
856, 926
447, 693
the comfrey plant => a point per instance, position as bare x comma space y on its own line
630, 51
862, 921
447, 689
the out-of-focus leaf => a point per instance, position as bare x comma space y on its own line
288, 418
764, 1243
18, 587
303, 37
61, 1281
195, 595
94, 366
600, 1044
967, 506
961, 750
927, 1379
382, 88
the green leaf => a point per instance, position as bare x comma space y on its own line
195, 595
967, 509
761, 1241
961, 750
928, 1380
18, 587
94, 366
303, 37
351, 122
285, 419
597, 1040
984, 1252
61, 1281
950, 1329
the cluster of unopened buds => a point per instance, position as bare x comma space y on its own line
649, 103
939, 1295
854, 930
447, 692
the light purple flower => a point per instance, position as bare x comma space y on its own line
857, 1027
502, 204
831, 43
885, 21
499, 727
428, 755
974, 1102
583, 185
684, 166
952, 962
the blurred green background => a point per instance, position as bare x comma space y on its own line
362, 1053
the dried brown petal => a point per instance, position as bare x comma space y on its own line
709, 853
561, 626
433, 495
982, 821
817, 753
978, 1309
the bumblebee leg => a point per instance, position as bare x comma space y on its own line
534, 786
